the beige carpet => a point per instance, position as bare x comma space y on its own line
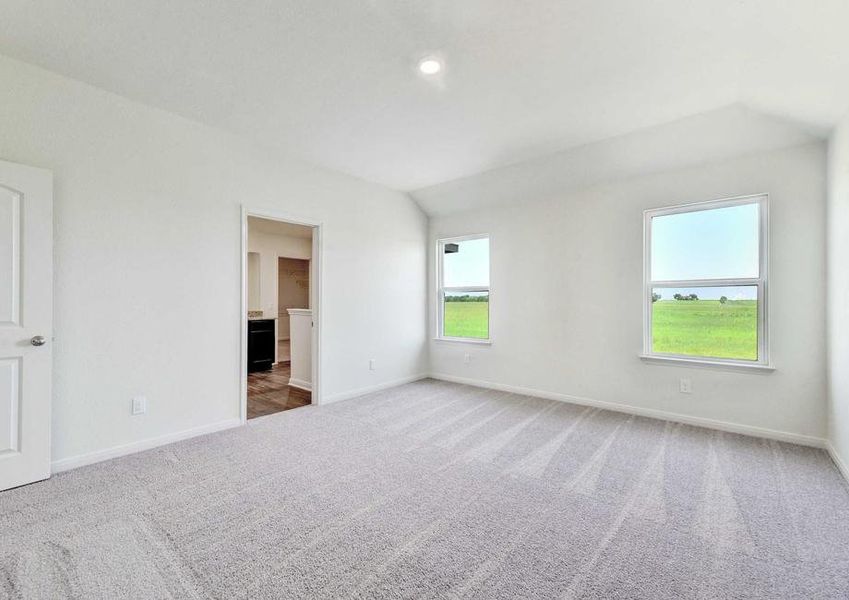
435, 490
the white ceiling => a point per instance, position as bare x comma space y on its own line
710, 136
335, 82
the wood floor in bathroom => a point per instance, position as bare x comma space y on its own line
269, 392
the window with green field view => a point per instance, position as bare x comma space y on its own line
464, 288
706, 281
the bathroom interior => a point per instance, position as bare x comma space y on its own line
279, 349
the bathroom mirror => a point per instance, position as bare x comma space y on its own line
254, 302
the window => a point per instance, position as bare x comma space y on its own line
463, 301
705, 293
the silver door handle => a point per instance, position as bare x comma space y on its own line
38, 340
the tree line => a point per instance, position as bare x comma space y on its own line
467, 298
685, 298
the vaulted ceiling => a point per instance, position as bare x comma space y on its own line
335, 81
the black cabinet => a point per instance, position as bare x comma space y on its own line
261, 344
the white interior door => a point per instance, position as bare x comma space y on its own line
26, 323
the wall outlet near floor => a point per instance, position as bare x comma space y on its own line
685, 385
371, 364
467, 358
139, 405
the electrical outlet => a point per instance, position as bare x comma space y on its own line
467, 358
685, 386
139, 405
371, 364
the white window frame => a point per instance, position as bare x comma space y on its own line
761, 282
441, 289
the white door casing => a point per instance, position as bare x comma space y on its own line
26, 311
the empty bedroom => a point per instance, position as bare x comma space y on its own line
435, 299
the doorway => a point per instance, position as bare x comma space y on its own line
281, 277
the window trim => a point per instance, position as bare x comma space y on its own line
762, 283
440, 289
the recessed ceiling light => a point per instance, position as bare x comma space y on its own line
430, 66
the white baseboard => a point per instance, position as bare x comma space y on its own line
90, 458
373, 388
81, 460
782, 436
300, 384
841, 466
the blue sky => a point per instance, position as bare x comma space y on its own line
710, 244
469, 267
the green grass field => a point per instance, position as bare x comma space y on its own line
706, 328
466, 319
695, 327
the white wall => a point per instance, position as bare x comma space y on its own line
147, 221
838, 293
301, 351
567, 306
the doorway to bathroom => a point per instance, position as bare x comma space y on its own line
280, 298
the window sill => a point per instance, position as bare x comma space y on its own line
464, 340
707, 364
